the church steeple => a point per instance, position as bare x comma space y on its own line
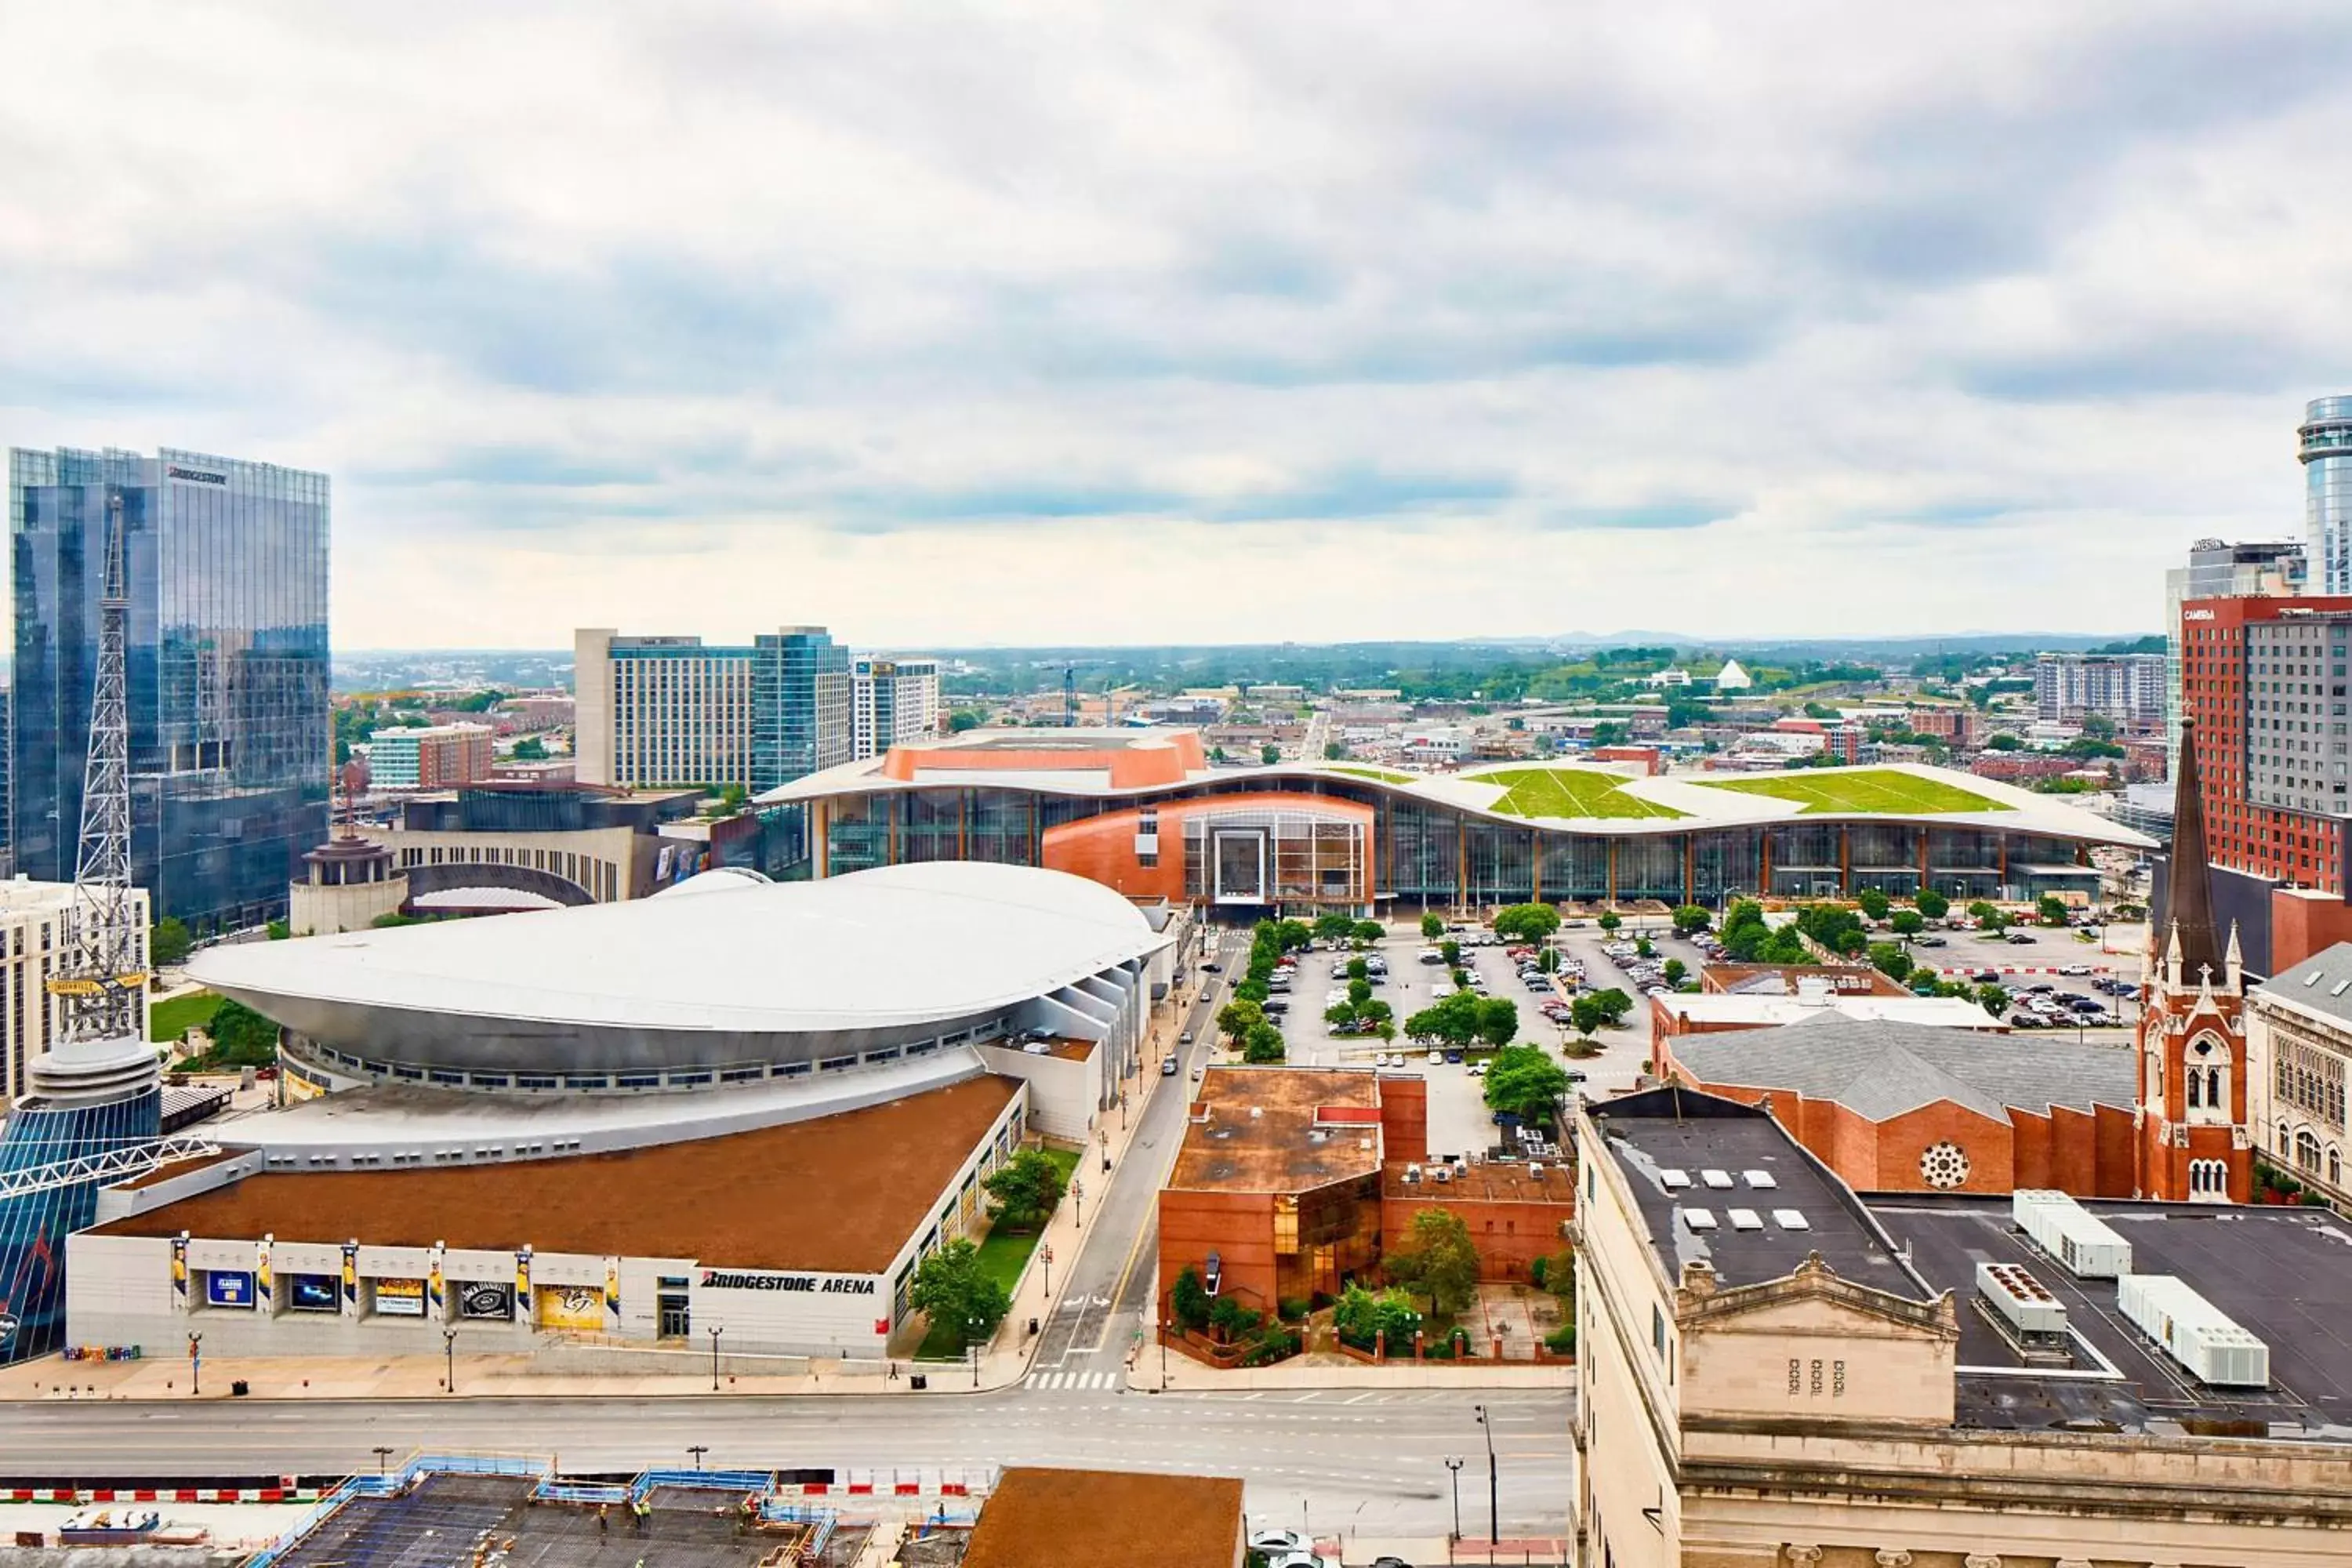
2188, 897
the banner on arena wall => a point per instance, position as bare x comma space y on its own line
435, 1295
485, 1301
351, 1278
576, 1306
523, 1281
613, 1292
229, 1289
261, 1274
180, 1272
400, 1297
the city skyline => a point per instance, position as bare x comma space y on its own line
1358, 311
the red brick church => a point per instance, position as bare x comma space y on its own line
2191, 1123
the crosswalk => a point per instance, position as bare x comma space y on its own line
1070, 1382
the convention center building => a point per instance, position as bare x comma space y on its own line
1142, 811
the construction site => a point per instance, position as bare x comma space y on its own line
466, 1512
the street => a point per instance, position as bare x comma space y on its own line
1370, 1461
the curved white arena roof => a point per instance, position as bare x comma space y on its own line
897, 947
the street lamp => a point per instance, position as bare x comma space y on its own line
1045, 1256
449, 1353
1167, 1327
1454, 1467
1122, 1111
196, 1365
716, 1330
972, 1344
1494, 1482
697, 1450
1078, 1201
383, 1455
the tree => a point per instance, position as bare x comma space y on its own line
1548, 961
1933, 904
1613, 1004
1358, 970
1188, 1302
1291, 935
1237, 1018
241, 1037
279, 930
1993, 999
1369, 931
1525, 1082
1338, 1013
168, 942
1673, 969
1432, 927
1908, 923
1987, 916
965, 719
2004, 742
1609, 733
1233, 1320
1643, 947
1455, 1020
1450, 951
1610, 921
1333, 751
1890, 960
1873, 902
392, 918
1333, 926
732, 798
958, 1294
1364, 1320
2051, 909
529, 749
1358, 992
1585, 1015
1437, 1262
1528, 922
1691, 917
1027, 1188
1498, 1020
1269, 754
1262, 1044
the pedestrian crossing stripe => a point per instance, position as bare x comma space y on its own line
1070, 1382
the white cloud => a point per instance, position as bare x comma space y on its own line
1059, 323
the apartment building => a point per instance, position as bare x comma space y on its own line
654, 711
894, 701
440, 757
2126, 687
35, 939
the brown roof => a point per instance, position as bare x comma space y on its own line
840, 1194
1108, 1519
1254, 1131
172, 1168
1491, 1181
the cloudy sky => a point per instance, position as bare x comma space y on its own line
960, 322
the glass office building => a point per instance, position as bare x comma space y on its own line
34, 1224
2326, 446
227, 667
801, 720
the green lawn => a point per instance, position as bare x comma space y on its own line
1861, 790
1569, 792
1382, 774
170, 1020
1004, 1255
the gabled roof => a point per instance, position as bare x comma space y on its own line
1881, 1070
2321, 984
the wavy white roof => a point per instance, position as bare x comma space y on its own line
899, 945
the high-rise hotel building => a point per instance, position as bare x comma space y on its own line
897, 701
661, 710
226, 662
2325, 443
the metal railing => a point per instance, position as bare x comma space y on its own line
113, 1164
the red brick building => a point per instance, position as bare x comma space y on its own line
1291, 1181
1910, 1108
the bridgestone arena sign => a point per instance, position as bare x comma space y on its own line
847, 1285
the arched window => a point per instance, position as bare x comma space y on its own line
2335, 1166
2307, 1151
2196, 1089
2286, 1143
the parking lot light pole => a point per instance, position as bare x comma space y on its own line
716, 1329
449, 1355
697, 1450
1453, 1469
1494, 1483
383, 1455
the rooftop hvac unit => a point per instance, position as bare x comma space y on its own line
1746, 1219
1445, 1173
1791, 1219
1760, 1179
1673, 1180
2085, 1244
1718, 1180
2193, 1331
1699, 1219
2023, 1302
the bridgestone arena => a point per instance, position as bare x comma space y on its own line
738, 1106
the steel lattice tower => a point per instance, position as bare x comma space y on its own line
100, 1001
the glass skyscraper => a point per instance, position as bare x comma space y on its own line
800, 719
2326, 448
227, 667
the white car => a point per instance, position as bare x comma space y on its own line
1437, 1059
1278, 1540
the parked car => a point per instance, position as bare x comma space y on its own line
2019, 938
1927, 940
1185, 1038
2077, 969
1437, 1059
1986, 977
1208, 967
1275, 1541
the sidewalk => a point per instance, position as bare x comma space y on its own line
511, 1376
1186, 1375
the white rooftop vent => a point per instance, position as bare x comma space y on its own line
1717, 1179
2338, 989
1673, 1180
1759, 1178
1699, 1219
1747, 1219
2314, 978
1791, 1219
